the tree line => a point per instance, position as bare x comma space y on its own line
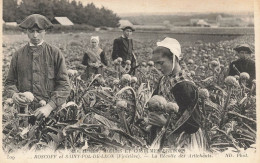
75, 11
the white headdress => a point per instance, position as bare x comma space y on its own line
173, 45
95, 38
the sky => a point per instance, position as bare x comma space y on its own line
171, 6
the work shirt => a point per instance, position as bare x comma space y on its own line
40, 70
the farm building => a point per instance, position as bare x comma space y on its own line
124, 23
202, 23
62, 21
11, 23
103, 28
144, 27
234, 21
151, 27
199, 22
193, 22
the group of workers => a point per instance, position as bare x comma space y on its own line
40, 68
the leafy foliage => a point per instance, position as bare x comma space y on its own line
74, 10
94, 118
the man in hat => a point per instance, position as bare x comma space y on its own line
123, 47
244, 63
39, 68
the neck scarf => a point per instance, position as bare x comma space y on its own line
97, 50
30, 44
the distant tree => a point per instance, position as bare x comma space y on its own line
91, 13
77, 12
59, 8
28, 7
9, 10
25, 8
80, 14
45, 8
109, 18
74, 10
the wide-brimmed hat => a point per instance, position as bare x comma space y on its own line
128, 27
37, 20
243, 47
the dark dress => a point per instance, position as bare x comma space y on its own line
179, 88
90, 69
123, 47
243, 65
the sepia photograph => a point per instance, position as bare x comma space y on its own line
120, 80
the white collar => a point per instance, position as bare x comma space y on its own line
125, 37
30, 44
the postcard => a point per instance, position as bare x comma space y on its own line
126, 81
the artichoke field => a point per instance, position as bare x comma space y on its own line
111, 109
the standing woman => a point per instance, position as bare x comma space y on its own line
177, 86
94, 58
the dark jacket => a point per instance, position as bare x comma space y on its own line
123, 48
243, 65
40, 70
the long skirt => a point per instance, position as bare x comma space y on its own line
190, 142
90, 71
